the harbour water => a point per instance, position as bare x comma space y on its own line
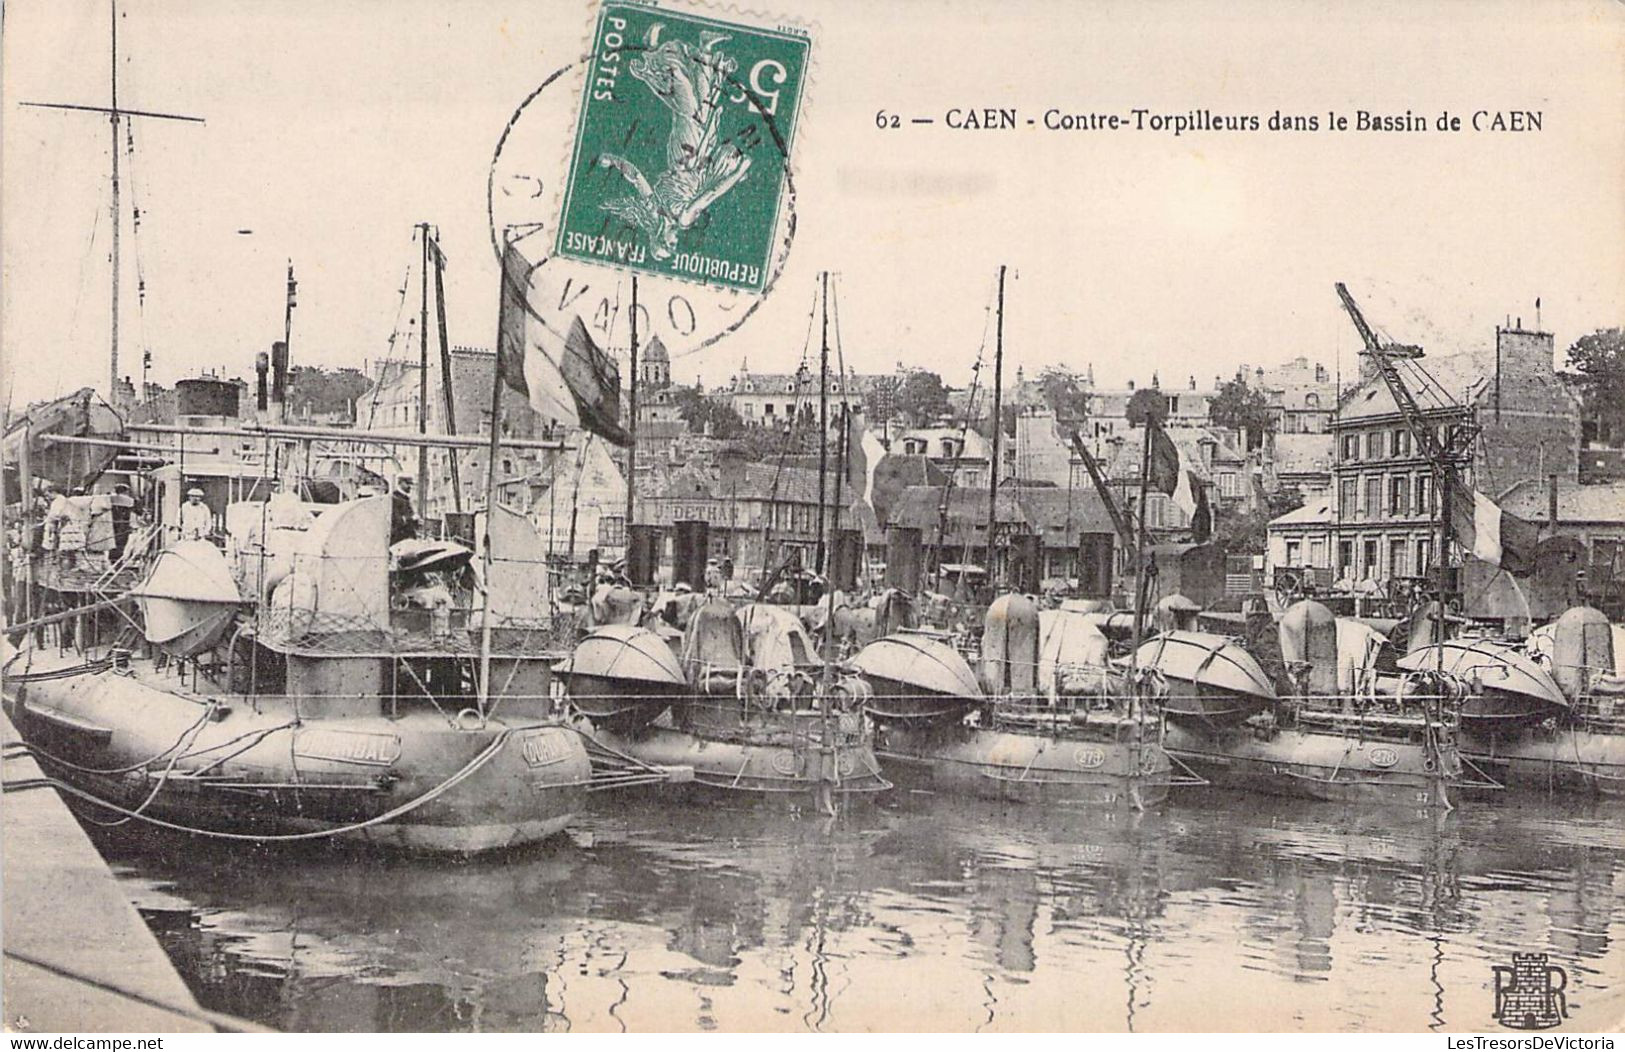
1222, 911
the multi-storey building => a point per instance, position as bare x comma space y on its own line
778, 399
1381, 519
393, 405
960, 452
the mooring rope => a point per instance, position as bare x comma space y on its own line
467, 771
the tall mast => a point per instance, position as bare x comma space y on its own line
439, 260
829, 769
632, 425
423, 375
823, 423
998, 435
113, 114
288, 303
1141, 571
112, 119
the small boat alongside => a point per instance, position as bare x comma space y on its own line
1212, 680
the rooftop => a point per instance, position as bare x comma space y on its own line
1597, 502
1436, 383
1316, 511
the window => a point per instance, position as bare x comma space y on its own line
1399, 495
1229, 484
1348, 506
1424, 556
1371, 567
1373, 445
1317, 553
1424, 493
767, 409
1400, 443
1345, 558
612, 531
1373, 496
1396, 558
789, 409
1351, 447
1294, 553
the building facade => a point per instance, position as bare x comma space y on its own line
1380, 519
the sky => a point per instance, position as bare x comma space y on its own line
332, 128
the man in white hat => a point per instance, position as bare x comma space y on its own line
197, 521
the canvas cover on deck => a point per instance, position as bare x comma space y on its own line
775, 638
1068, 639
1010, 644
715, 639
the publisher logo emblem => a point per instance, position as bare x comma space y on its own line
1529, 993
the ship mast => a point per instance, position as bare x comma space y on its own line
114, 112
993, 576
632, 425
820, 560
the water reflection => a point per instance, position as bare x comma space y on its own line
1221, 912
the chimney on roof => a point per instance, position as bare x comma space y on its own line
1193, 381
1131, 385
262, 366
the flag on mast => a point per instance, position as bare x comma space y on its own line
863, 453
1170, 474
571, 381
1163, 471
1492, 535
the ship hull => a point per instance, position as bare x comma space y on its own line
1318, 766
1565, 759
759, 771
261, 772
1027, 767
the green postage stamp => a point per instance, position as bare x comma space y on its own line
681, 155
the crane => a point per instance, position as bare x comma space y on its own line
1445, 454
1459, 442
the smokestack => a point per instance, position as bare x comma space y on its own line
1551, 503
279, 376
262, 363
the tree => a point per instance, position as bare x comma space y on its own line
922, 398
1599, 360
701, 412
1242, 408
1064, 395
1245, 532
1144, 403
314, 390
764, 445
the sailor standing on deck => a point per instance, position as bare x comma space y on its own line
197, 521
403, 521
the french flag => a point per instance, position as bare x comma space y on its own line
575, 384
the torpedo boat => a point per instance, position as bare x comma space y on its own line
1341, 730
1051, 720
746, 705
